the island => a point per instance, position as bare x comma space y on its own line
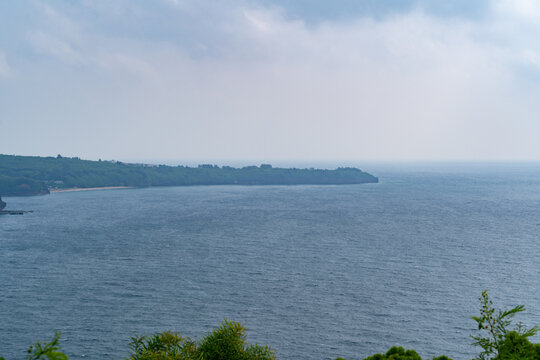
34, 175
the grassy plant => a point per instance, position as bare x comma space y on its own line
163, 346
399, 353
498, 339
49, 351
227, 342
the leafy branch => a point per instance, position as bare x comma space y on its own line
497, 325
50, 351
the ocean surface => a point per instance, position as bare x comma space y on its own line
314, 271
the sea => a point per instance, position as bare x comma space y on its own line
315, 272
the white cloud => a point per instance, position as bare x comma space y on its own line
523, 9
408, 86
51, 45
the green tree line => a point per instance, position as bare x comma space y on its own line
497, 338
31, 175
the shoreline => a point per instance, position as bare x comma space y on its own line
90, 189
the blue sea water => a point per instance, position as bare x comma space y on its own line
315, 271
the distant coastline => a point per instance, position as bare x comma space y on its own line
34, 175
90, 189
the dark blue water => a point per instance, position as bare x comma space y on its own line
315, 271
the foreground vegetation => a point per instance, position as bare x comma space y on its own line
32, 175
496, 336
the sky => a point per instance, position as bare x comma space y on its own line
271, 80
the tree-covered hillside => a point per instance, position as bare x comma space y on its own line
32, 175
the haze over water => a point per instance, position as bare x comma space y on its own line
314, 271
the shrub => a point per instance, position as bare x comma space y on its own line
500, 341
228, 342
516, 346
49, 351
399, 353
163, 346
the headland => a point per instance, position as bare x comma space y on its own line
34, 175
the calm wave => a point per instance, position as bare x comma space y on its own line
315, 271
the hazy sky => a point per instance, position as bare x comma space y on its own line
271, 80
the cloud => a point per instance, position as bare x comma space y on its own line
48, 44
248, 81
522, 9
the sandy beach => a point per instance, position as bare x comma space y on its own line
90, 189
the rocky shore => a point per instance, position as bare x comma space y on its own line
9, 212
